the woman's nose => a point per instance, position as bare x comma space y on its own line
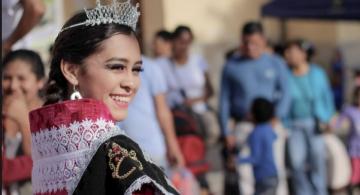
128, 82
14, 85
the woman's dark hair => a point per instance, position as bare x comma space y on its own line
180, 30
356, 96
30, 57
74, 45
304, 45
262, 110
164, 34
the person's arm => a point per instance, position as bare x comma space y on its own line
327, 99
224, 103
32, 14
283, 105
16, 169
26, 136
16, 109
255, 148
158, 88
209, 89
167, 126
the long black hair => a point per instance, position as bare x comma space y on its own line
74, 45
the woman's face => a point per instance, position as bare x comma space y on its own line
181, 44
295, 56
18, 79
112, 74
161, 47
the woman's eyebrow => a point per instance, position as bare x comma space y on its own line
140, 62
117, 59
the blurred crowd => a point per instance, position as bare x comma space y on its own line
282, 123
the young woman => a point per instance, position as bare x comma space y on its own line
23, 79
77, 148
311, 107
189, 84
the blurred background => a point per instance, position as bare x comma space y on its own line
331, 25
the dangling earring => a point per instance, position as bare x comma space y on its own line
75, 95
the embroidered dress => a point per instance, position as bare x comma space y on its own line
77, 149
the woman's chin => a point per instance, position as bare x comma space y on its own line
119, 115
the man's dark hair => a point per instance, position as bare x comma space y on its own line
252, 27
262, 110
164, 34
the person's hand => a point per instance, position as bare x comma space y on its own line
188, 102
274, 122
327, 128
230, 142
333, 121
15, 108
176, 158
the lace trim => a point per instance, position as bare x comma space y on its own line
61, 155
138, 183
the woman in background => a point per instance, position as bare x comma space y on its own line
311, 107
22, 82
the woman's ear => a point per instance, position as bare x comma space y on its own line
70, 72
41, 83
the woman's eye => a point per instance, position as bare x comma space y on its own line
116, 67
138, 69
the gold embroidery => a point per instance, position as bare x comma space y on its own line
117, 155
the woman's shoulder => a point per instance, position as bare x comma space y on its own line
121, 166
317, 69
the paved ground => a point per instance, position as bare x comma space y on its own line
216, 175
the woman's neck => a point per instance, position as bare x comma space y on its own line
180, 59
301, 69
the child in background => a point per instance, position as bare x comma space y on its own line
261, 145
351, 114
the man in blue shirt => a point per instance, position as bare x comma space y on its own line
254, 73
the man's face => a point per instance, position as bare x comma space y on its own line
253, 45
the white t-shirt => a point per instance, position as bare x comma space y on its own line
189, 76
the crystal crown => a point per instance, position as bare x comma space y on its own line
119, 12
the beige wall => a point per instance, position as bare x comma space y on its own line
323, 34
152, 17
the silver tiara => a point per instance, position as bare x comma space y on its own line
119, 12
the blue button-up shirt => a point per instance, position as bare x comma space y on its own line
245, 79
